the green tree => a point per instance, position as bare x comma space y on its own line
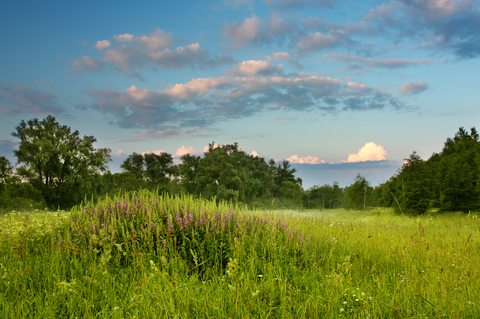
6, 169
358, 195
188, 171
56, 160
158, 168
153, 169
459, 174
134, 164
414, 199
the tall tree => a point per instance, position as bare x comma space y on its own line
358, 195
134, 164
188, 172
57, 159
414, 199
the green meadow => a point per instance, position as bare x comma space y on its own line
141, 255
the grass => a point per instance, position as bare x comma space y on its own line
144, 256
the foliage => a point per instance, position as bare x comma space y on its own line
359, 194
122, 258
56, 160
448, 181
322, 197
6, 169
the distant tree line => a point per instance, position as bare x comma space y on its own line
56, 167
447, 181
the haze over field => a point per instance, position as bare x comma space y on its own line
334, 87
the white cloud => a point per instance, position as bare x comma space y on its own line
253, 67
154, 152
255, 154
369, 152
195, 86
185, 150
246, 32
123, 37
120, 153
100, 45
357, 86
128, 54
157, 40
412, 88
294, 159
206, 148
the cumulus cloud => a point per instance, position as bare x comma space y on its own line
195, 86
247, 32
253, 31
203, 102
254, 67
255, 154
182, 150
357, 86
127, 54
369, 152
154, 152
439, 25
123, 38
412, 88
294, 159
206, 148
20, 98
100, 45
120, 153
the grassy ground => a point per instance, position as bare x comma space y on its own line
146, 257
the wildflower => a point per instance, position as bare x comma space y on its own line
260, 276
342, 310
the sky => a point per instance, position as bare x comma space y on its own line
336, 87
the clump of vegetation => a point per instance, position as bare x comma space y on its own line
144, 255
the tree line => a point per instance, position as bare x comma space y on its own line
57, 168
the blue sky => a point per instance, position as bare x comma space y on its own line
336, 87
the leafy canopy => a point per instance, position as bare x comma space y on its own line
57, 160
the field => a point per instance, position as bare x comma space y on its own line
145, 256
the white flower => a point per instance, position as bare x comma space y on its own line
341, 310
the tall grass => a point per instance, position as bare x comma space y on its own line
149, 256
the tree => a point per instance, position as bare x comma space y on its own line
153, 169
6, 169
358, 194
414, 199
188, 170
134, 164
56, 159
158, 168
